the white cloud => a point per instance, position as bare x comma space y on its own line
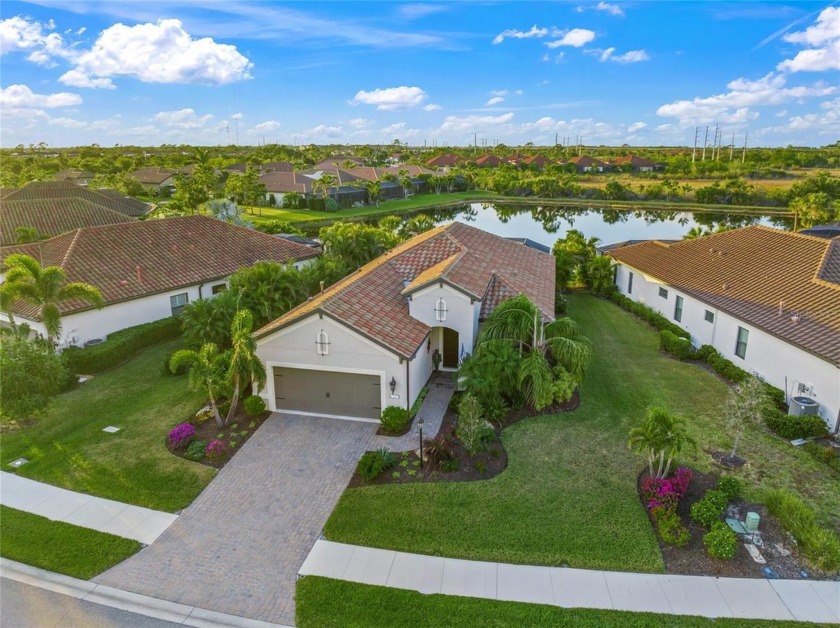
81, 31
512, 33
67, 123
267, 127
636, 126
494, 101
664, 127
19, 96
17, 33
631, 56
416, 11
237, 116
74, 78
391, 98
183, 119
612, 9
518, 92
733, 106
359, 123
394, 129
473, 123
324, 130
431, 107
576, 38
499, 92
827, 123
823, 37
162, 52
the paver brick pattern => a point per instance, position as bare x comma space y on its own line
238, 547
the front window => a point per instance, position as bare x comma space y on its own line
440, 310
663, 293
178, 302
630, 284
219, 287
741, 343
678, 308
709, 316
322, 343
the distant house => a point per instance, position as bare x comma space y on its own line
148, 270
541, 161
73, 175
769, 300
585, 163
339, 162
237, 168
635, 163
444, 161
65, 190
299, 239
154, 178
277, 166
532, 244
488, 161
278, 184
823, 231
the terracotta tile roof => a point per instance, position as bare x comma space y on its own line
116, 195
70, 174
489, 161
369, 173
372, 300
140, 258
585, 161
286, 182
750, 273
634, 160
152, 175
444, 161
44, 190
339, 161
53, 216
538, 160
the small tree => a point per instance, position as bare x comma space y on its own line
206, 372
245, 366
746, 404
661, 436
471, 426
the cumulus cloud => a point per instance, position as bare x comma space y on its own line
826, 122
612, 9
631, 56
20, 96
575, 37
513, 33
499, 92
359, 123
495, 101
237, 116
471, 123
431, 107
67, 123
183, 119
267, 126
391, 98
324, 130
823, 39
74, 78
636, 126
17, 33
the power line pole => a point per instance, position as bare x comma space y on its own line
705, 143
694, 150
732, 146
744, 154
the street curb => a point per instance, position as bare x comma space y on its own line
125, 600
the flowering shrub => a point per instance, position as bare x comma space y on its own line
216, 449
181, 435
671, 529
666, 492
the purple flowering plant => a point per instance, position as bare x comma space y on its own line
215, 449
666, 492
181, 435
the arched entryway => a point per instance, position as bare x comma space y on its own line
450, 348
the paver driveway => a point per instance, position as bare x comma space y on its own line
238, 547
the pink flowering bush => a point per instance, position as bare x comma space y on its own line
666, 492
215, 449
181, 435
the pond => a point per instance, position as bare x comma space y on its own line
545, 224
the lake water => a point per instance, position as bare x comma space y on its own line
546, 225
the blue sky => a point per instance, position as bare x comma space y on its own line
203, 72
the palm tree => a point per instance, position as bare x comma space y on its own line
374, 190
407, 185
661, 436
245, 366
695, 232
600, 274
206, 372
27, 235
564, 269
291, 200
323, 185
520, 321
45, 288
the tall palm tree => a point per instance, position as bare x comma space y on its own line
662, 435
600, 274
245, 366
407, 185
520, 321
45, 288
323, 185
206, 372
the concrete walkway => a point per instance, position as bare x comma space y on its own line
432, 410
87, 511
801, 600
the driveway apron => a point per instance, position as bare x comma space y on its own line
238, 547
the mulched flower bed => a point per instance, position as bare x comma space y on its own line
484, 465
693, 560
233, 436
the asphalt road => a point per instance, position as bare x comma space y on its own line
24, 606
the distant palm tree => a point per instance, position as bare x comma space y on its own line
407, 184
374, 190
292, 200
45, 288
27, 235
323, 185
695, 232
245, 366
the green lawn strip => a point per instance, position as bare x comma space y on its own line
60, 547
324, 602
68, 448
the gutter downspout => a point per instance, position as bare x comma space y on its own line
407, 388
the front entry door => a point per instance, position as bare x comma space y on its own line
450, 348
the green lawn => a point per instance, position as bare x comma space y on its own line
60, 547
322, 602
68, 448
568, 496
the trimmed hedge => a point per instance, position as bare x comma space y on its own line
120, 346
650, 315
679, 347
790, 427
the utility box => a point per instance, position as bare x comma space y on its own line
751, 521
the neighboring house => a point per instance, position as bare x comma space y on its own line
444, 161
367, 341
636, 163
277, 166
768, 300
585, 163
154, 178
339, 162
540, 161
299, 239
604, 249
64, 190
278, 184
532, 244
79, 177
823, 231
53, 216
148, 270
130, 203
488, 161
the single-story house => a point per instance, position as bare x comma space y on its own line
541, 161
367, 342
65, 190
444, 161
74, 175
339, 162
766, 299
635, 163
823, 231
148, 270
154, 178
488, 161
585, 163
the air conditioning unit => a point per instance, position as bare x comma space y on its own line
802, 406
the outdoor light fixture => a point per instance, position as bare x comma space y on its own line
393, 385
440, 310
322, 343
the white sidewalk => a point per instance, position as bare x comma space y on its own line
87, 511
801, 600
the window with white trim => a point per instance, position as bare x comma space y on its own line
178, 302
630, 283
322, 343
678, 309
741, 342
663, 293
440, 310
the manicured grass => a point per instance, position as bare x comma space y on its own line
68, 448
60, 547
568, 495
323, 602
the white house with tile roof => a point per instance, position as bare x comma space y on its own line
369, 340
148, 270
766, 299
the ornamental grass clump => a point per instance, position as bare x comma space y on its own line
181, 435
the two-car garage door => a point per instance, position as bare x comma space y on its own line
327, 392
